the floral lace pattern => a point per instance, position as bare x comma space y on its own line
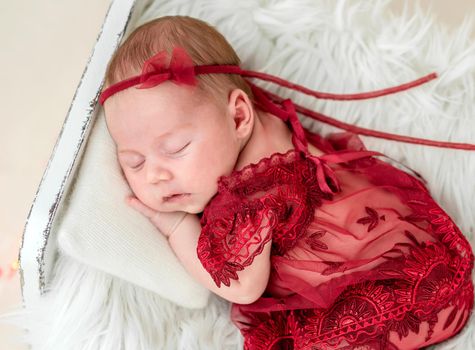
375, 265
234, 232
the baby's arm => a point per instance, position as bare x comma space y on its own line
183, 230
252, 280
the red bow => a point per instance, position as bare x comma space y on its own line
325, 176
180, 69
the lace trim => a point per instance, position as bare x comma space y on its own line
237, 178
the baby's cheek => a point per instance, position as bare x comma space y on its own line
130, 182
138, 189
202, 173
204, 181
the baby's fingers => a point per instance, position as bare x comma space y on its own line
140, 207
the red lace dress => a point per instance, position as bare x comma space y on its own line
362, 256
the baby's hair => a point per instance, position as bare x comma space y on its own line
203, 43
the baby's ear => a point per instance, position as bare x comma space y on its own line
241, 110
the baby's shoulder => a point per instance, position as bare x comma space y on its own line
276, 182
276, 170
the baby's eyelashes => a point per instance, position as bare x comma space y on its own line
135, 167
131, 161
135, 162
178, 150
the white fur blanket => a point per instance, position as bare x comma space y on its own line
332, 46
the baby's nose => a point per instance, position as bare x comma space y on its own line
157, 173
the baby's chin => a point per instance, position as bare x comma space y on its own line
194, 211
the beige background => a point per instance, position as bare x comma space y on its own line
45, 47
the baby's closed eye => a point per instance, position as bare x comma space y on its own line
131, 161
177, 149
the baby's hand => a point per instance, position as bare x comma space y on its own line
165, 222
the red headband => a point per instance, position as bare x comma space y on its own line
182, 71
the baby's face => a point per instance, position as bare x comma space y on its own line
169, 141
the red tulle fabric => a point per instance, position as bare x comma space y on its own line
362, 256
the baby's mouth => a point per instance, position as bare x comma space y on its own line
175, 197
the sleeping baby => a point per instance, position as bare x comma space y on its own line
316, 242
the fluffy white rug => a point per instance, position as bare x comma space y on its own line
333, 46
87, 309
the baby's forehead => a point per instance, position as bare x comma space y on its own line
175, 130
181, 127
145, 110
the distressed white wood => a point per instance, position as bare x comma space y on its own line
38, 251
